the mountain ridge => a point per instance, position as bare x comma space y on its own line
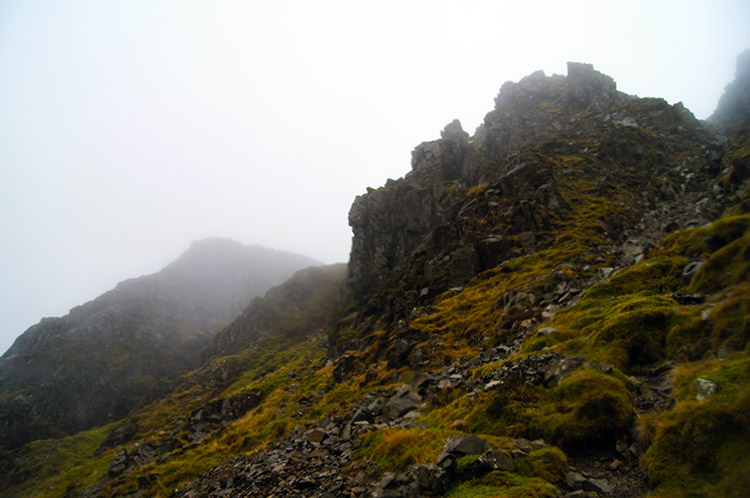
123, 347
556, 306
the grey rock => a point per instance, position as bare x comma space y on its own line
691, 269
493, 459
420, 380
575, 480
405, 400
560, 367
704, 388
316, 435
446, 460
454, 131
465, 444
429, 477
599, 486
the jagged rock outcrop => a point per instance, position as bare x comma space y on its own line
120, 350
732, 117
733, 110
471, 203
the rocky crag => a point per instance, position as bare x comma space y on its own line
555, 306
122, 349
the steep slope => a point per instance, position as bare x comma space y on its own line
556, 306
565, 165
225, 407
120, 350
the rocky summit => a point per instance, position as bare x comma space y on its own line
555, 306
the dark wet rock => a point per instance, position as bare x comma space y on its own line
227, 409
446, 460
343, 367
654, 392
429, 478
118, 464
119, 436
399, 354
493, 250
689, 299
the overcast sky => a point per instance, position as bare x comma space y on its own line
130, 128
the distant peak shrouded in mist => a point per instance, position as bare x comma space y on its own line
126, 344
734, 106
219, 253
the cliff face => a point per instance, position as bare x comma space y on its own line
121, 350
734, 106
470, 203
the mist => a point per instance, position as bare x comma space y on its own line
130, 129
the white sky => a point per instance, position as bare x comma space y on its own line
130, 128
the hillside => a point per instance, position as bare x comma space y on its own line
555, 306
122, 349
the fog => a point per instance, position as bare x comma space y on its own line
129, 129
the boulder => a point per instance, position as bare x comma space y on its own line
464, 444
454, 131
492, 459
429, 478
405, 400
343, 367
598, 486
316, 435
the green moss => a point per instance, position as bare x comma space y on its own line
548, 463
398, 449
705, 446
658, 275
505, 484
638, 330
55, 467
587, 408
728, 265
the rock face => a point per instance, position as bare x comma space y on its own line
470, 203
121, 349
733, 110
